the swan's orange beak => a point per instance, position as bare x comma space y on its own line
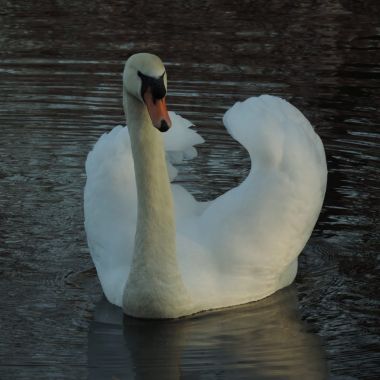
157, 111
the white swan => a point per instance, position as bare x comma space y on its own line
162, 259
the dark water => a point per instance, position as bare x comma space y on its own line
60, 89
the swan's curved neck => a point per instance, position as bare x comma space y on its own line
154, 288
155, 221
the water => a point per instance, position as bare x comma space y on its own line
60, 89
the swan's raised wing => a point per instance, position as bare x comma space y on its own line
180, 142
255, 231
110, 199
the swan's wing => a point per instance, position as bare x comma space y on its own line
255, 231
276, 134
110, 199
110, 210
180, 142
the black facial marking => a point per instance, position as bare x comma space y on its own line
157, 86
164, 126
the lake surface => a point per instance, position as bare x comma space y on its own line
60, 89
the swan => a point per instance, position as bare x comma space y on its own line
158, 252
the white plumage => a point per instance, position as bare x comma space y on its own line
238, 248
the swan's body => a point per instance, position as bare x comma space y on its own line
161, 254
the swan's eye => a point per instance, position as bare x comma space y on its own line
156, 85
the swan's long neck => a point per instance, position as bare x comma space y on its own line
155, 230
154, 288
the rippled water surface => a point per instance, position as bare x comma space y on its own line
60, 89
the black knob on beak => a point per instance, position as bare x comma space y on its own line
164, 126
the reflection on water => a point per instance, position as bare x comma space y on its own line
263, 340
60, 89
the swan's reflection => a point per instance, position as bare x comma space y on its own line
262, 340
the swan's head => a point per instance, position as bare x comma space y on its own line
145, 78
